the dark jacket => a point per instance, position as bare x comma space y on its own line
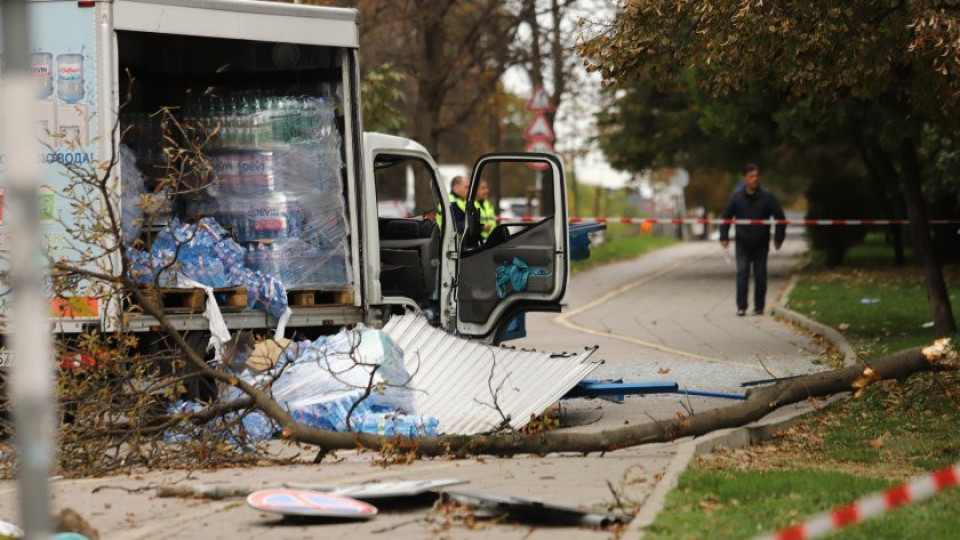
760, 205
458, 209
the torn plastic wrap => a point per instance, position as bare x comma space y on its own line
319, 382
272, 176
281, 194
131, 196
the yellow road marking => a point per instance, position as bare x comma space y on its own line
564, 319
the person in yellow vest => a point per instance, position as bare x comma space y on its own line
459, 188
488, 216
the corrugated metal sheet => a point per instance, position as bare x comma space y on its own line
471, 387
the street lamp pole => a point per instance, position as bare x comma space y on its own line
28, 336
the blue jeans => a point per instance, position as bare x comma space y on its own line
755, 256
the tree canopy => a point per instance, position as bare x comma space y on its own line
878, 76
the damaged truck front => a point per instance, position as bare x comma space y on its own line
228, 138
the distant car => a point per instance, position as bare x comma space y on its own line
518, 207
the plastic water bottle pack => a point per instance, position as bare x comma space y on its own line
205, 252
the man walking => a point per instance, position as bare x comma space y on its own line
753, 241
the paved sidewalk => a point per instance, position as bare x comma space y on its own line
671, 316
666, 316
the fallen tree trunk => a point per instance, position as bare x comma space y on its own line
759, 403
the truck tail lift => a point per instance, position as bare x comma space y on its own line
617, 390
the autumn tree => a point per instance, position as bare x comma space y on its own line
895, 61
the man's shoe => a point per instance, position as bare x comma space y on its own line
741, 312
758, 312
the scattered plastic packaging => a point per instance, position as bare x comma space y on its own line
319, 382
390, 424
869, 300
256, 426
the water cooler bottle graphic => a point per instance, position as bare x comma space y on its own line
71, 117
41, 64
64, 123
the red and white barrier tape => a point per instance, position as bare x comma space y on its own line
874, 505
710, 221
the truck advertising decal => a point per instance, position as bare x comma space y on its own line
63, 63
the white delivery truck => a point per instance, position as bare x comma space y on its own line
272, 91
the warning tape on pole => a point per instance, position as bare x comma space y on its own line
711, 221
871, 506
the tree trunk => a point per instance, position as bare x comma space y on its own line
758, 404
429, 89
880, 174
937, 295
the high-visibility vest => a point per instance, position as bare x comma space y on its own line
487, 217
462, 204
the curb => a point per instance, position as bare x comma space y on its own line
743, 436
827, 332
739, 437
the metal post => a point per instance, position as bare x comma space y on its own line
31, 381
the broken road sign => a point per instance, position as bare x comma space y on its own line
540, 100
300, 502
539, 128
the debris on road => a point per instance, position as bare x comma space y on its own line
10, 531
366, 491
533, 510
471, 387
299, 502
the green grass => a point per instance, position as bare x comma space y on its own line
850, 449
913, 426
711, 503
622, 243
853, 447
879, 307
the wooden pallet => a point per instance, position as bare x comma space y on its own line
231, 298
179, 301
176, 300
310, 298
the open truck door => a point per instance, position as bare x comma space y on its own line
517, 261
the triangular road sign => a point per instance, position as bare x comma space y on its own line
539, 128
540, 101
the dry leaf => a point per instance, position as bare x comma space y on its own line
710, 504
843, 326
877, 443
663, 370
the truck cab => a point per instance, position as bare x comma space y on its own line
420, 261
